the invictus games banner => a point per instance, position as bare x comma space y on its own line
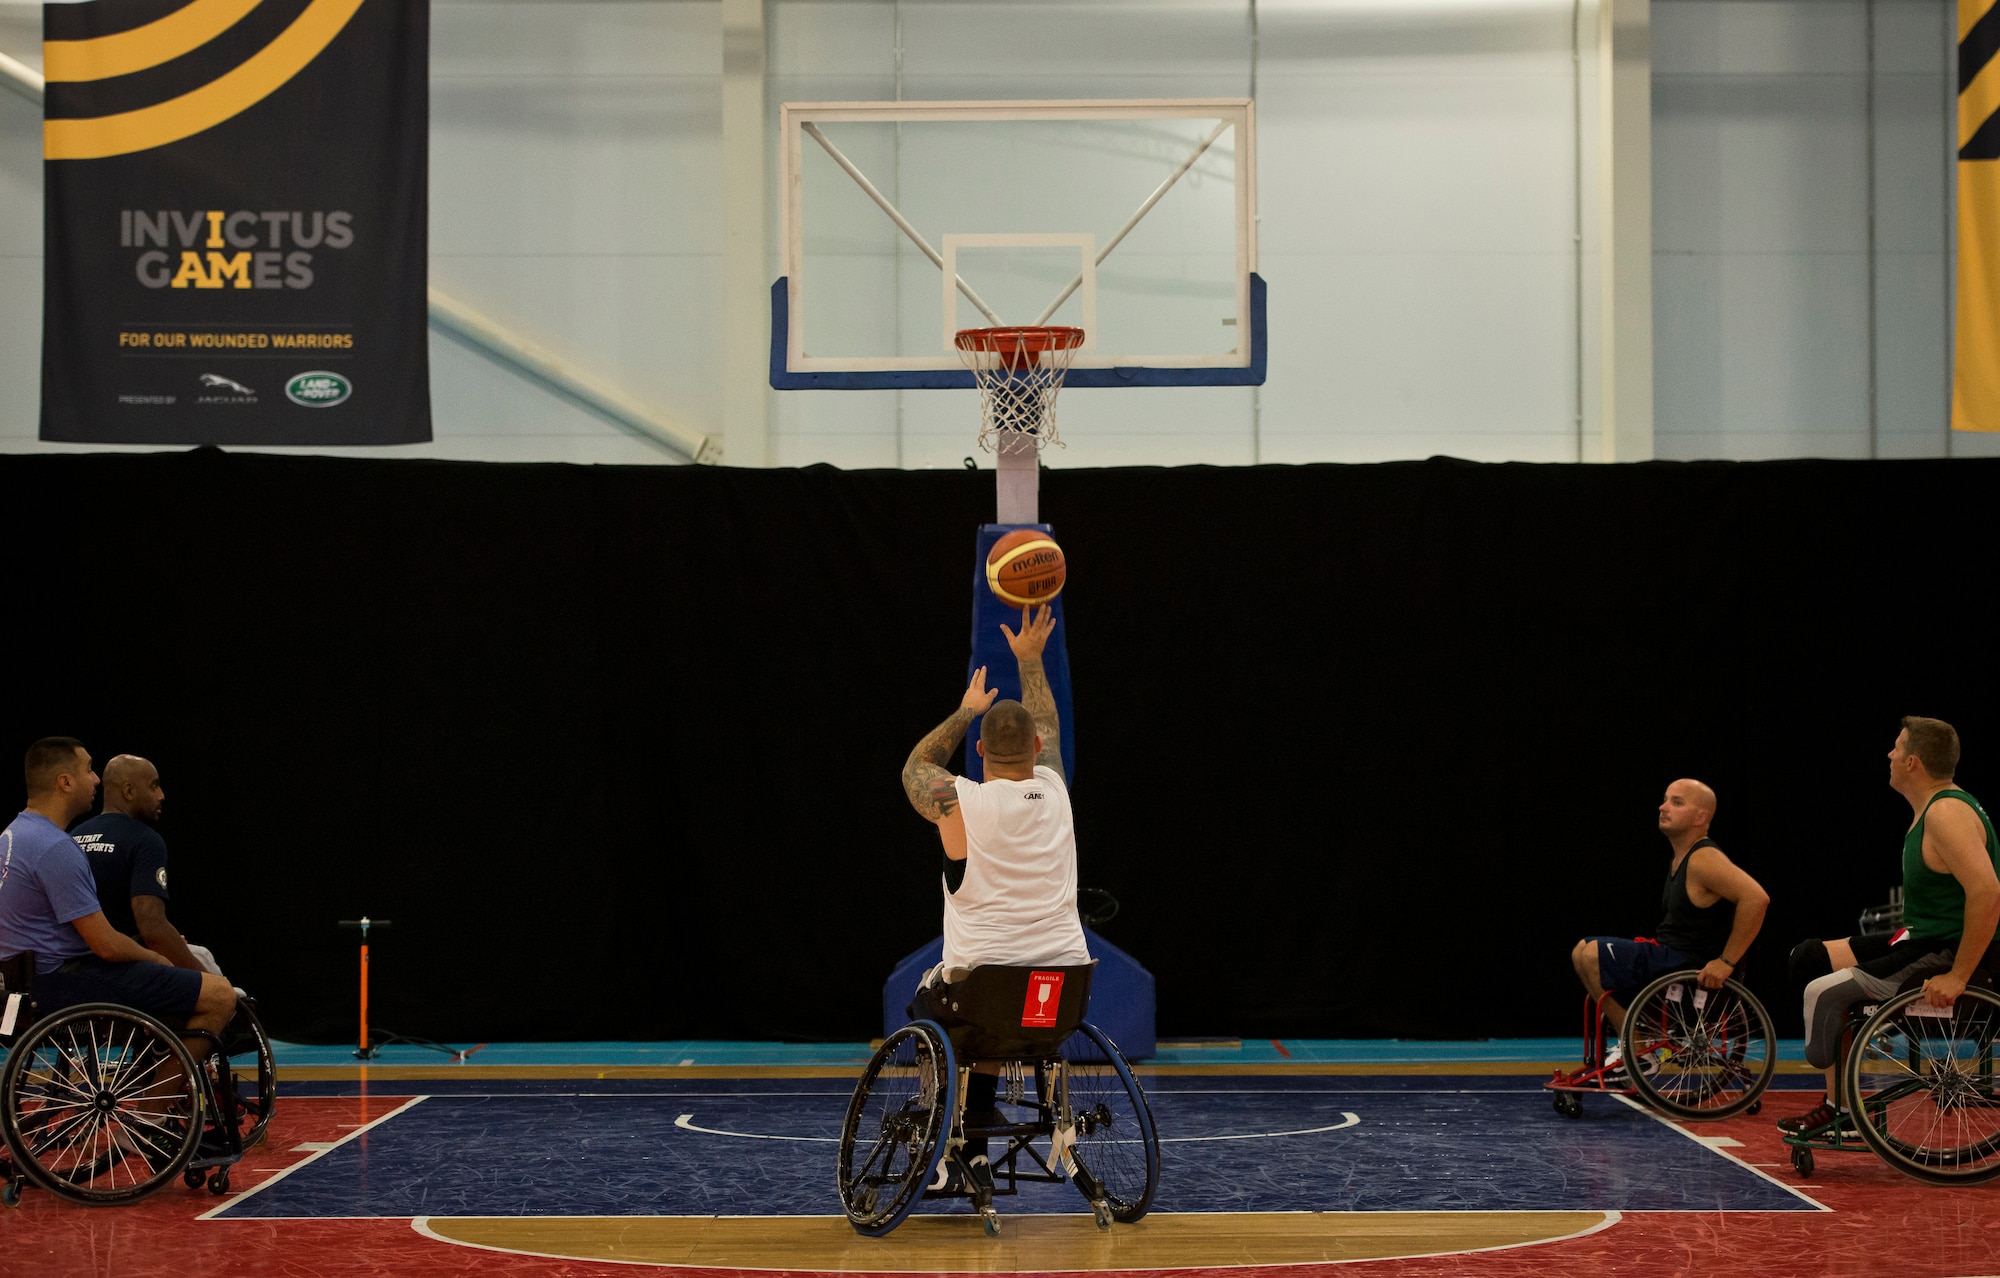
234, 249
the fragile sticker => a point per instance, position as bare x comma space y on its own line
1044, 997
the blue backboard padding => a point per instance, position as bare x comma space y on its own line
1121, 994
989, 649
960, 379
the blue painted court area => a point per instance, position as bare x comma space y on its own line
766, 1146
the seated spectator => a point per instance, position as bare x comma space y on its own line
1712, 913
49, 906
128, 859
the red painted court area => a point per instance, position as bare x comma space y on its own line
1879, 1223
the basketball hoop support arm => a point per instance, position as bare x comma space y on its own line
882, 202
1125, 230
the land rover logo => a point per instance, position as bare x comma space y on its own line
318, 390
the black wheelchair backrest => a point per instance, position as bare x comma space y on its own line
1019, 1011
17, 974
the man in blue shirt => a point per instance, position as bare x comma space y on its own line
48, 905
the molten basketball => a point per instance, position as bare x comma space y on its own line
1025, 567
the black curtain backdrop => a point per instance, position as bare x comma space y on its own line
1362, 749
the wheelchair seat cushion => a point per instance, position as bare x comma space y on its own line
169, 993
1009, 1013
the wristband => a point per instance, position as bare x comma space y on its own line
1731, 962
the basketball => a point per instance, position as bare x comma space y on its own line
1025, 567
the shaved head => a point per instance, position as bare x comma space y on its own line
1007, 733
129, 767
132, 786
1698, 793
1686, 811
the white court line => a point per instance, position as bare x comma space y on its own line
234, 1199
422, 1225
1723, 1153
1347, 1120
686, 1123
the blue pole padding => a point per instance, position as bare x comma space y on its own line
989, 649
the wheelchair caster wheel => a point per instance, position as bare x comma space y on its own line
1101, 1212
1755, 1105
1802, 1161
10, 1193
193, 1177
989, 1220
218, 1182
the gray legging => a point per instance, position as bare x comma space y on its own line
1829, 998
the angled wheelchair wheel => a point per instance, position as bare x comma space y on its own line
99, 1104
1117, 1152
249, 1050
1695, 1053
1923, 1078
896, 1123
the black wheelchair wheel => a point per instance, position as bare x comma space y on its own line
249, 1050
895, 1127
1695, 1053
100, 1104
1117, 1151
1924, 1093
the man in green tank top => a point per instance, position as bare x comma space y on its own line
1951, 903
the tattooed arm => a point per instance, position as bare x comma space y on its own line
930, 787
1035, 692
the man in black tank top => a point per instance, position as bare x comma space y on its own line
1712, 911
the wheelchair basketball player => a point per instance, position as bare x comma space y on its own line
1009, 843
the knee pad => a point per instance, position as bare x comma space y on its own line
1810, 961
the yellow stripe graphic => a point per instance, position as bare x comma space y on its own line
222, 98
999, 565
182, 31
1975, 401
1969, 14
1979, 100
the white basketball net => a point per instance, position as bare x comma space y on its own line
1018, 371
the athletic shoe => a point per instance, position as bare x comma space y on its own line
1615, 1066
1816, 1120
950, 1179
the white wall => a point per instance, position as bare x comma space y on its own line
1418, 193
1763, 325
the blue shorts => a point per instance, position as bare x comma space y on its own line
1626, 966
169, 993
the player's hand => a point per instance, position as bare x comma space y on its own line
1035, 632
1714, 974
1939, 991
978, 697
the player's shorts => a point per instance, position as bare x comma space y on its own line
169, 993
1625, 966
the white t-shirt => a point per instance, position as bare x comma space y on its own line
1017, 903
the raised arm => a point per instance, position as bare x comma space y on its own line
930, 787
1035, 693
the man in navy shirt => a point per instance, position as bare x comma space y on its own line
48, 905
128, 858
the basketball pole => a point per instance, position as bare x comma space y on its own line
1017, 478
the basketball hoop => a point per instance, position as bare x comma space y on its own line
1019, 371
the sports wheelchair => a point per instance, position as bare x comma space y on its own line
1689, 1052
1929, 1104
908, 1118
102, 1104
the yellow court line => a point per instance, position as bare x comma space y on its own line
185, 29
220, 99
1026, 1244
